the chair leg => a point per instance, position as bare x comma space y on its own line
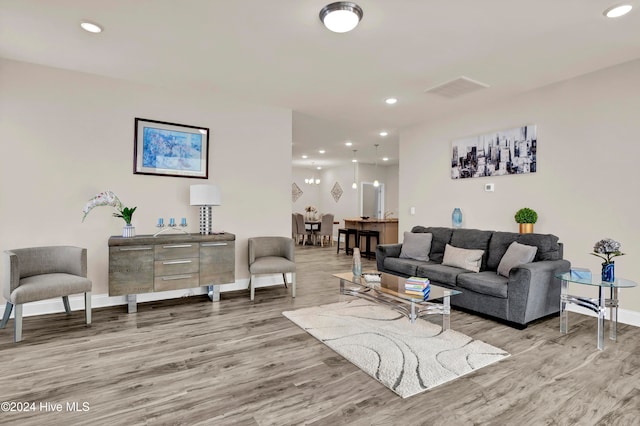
284, 277
7, 313
17, 333
65, 302
252, 289
293, 284
87, 307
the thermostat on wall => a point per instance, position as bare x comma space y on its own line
488, 187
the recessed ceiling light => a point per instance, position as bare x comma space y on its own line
385, 158
617, 11
391, 101
305, 156
383, 134
319, 168
91, 27
322, 151
341, 16
348, 143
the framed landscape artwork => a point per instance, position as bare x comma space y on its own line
505, 152
170, 149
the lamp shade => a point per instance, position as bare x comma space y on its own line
205, 195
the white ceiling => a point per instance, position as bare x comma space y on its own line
277, 52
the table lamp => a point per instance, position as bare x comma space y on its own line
205, 196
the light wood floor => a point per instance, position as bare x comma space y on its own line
190, 361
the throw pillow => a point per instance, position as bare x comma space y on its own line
516, 254
416, 246
462, 258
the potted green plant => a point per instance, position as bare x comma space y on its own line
526, 217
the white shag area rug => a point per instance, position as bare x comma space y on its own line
407, 358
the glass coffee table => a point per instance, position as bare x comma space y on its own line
597, 305
390, 291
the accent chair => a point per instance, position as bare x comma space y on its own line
39, 273
272, 255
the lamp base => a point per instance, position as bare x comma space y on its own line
206, 222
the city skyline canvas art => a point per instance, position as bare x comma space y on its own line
499, 153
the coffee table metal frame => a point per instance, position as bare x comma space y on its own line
597, 305
393, 296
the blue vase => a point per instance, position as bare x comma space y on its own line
608, 272
456, 218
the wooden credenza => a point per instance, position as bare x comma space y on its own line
146, 264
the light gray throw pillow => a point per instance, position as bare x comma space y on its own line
471, 260
416, 246
516, 254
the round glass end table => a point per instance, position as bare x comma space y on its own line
597, 305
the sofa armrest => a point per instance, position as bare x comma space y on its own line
386, 250
534, 291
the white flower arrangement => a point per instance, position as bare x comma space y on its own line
108, 198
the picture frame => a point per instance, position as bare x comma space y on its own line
499, 153
170, 149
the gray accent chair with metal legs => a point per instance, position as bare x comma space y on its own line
272, 255
39, 273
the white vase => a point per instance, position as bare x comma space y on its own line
129, 231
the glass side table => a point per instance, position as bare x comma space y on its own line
597, 305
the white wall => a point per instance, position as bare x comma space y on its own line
586, 186
67, 136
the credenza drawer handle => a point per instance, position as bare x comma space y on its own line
176, 262
178, 246
177, 277
214, 244
136, 248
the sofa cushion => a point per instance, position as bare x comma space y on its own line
548, 247
402, 266
474, 239
441, 237
470, 260
500, 242
486, 282
416, 246
438, 273
517, 254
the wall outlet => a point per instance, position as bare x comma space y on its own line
488, 187
412, 211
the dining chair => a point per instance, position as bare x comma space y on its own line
39, 273
326, 229
302, 231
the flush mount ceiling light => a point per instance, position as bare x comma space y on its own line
91, 27
390, 101
341, 16
383, 133
617, 11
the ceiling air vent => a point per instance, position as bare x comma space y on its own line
458, 87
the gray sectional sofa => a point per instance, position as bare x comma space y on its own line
528, 293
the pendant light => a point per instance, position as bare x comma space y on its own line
376, 183
354, 185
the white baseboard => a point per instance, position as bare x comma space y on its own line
76, 302
625, 316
